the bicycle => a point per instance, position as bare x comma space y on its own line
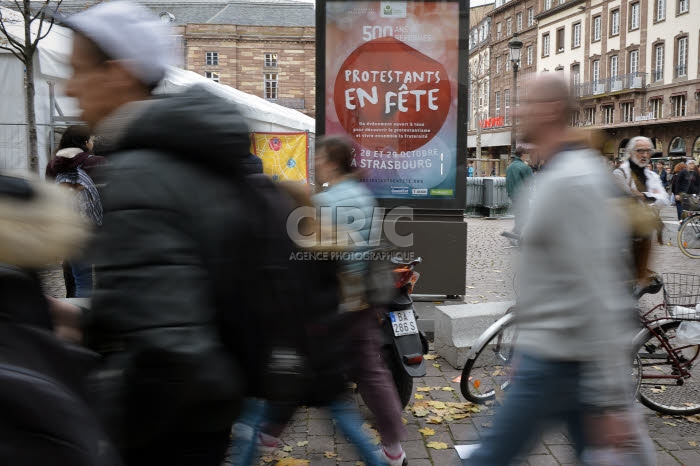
689, 234
662, 364
483, 381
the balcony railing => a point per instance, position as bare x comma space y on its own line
681, 71
615, 84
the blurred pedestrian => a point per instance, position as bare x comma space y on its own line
687, 183
518, 177
167, 388
575, 317
635, 178
470, 170
71, 168
45, 416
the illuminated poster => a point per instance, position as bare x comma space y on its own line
283, 155
391, 85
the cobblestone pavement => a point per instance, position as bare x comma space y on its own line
313, 437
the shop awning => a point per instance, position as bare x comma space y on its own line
490, 139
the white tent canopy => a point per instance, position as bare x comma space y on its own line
262, 116
52, 64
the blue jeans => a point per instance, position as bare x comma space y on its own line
346, 416
82, 278
543, 393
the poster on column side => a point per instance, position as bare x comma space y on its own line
391, 87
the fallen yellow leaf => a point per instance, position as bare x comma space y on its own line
404, 420
430, 357
475, 409
422, 389
660, 389
437, 445
330, 454
437, 366
288, 448
693, 444
694, 419
457, 417
292, 462
434, 420
448, 389
303, 444
437, 404
420, 412
418, 396
670, 424
427, 431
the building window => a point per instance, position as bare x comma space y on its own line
212, 58
590, 115
595, 71
497, 99
506, 98
545, 45
627, 111
529, 54
596, 28
660, 10
678, 105
683, 6
615, 22
509, 27
634, 16
498, 65
519, 22
682, 58
575, 119
270, 60
560, 40
213, 75
614, 66
634, 61
575, 75
508, 63
656, 107
576, 36
530, 16
659, 63
499, 30
547, 4
608, 114
271, 86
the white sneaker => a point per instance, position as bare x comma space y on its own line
465, 451
267, 444
384, 457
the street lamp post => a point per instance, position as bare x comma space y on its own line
515, 45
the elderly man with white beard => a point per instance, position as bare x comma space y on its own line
636, 178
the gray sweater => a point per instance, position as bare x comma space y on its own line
573, 305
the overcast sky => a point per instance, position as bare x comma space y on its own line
471, 2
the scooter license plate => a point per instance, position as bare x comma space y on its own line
403, 322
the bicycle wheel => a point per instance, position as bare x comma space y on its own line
667, 385
689, 237
489, 373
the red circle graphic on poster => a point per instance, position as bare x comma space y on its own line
388, 94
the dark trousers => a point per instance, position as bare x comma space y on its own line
181, 449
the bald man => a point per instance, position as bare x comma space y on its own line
575, 317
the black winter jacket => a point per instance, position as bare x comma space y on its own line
46, 418
172, 205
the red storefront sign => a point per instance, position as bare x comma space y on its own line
492, 122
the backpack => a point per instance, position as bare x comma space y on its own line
285, 332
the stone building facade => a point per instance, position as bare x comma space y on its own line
634, 66
273, 62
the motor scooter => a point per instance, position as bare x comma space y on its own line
403, 344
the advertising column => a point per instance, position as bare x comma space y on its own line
390, 80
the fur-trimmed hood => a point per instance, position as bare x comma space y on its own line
37, 223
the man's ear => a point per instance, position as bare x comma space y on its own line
119, 78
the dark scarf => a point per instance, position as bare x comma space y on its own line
639, 177
64, 164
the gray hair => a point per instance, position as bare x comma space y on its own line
633, 143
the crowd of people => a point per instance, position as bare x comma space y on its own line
199, 321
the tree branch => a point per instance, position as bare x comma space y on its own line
51, 22
14, 52
12, 41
